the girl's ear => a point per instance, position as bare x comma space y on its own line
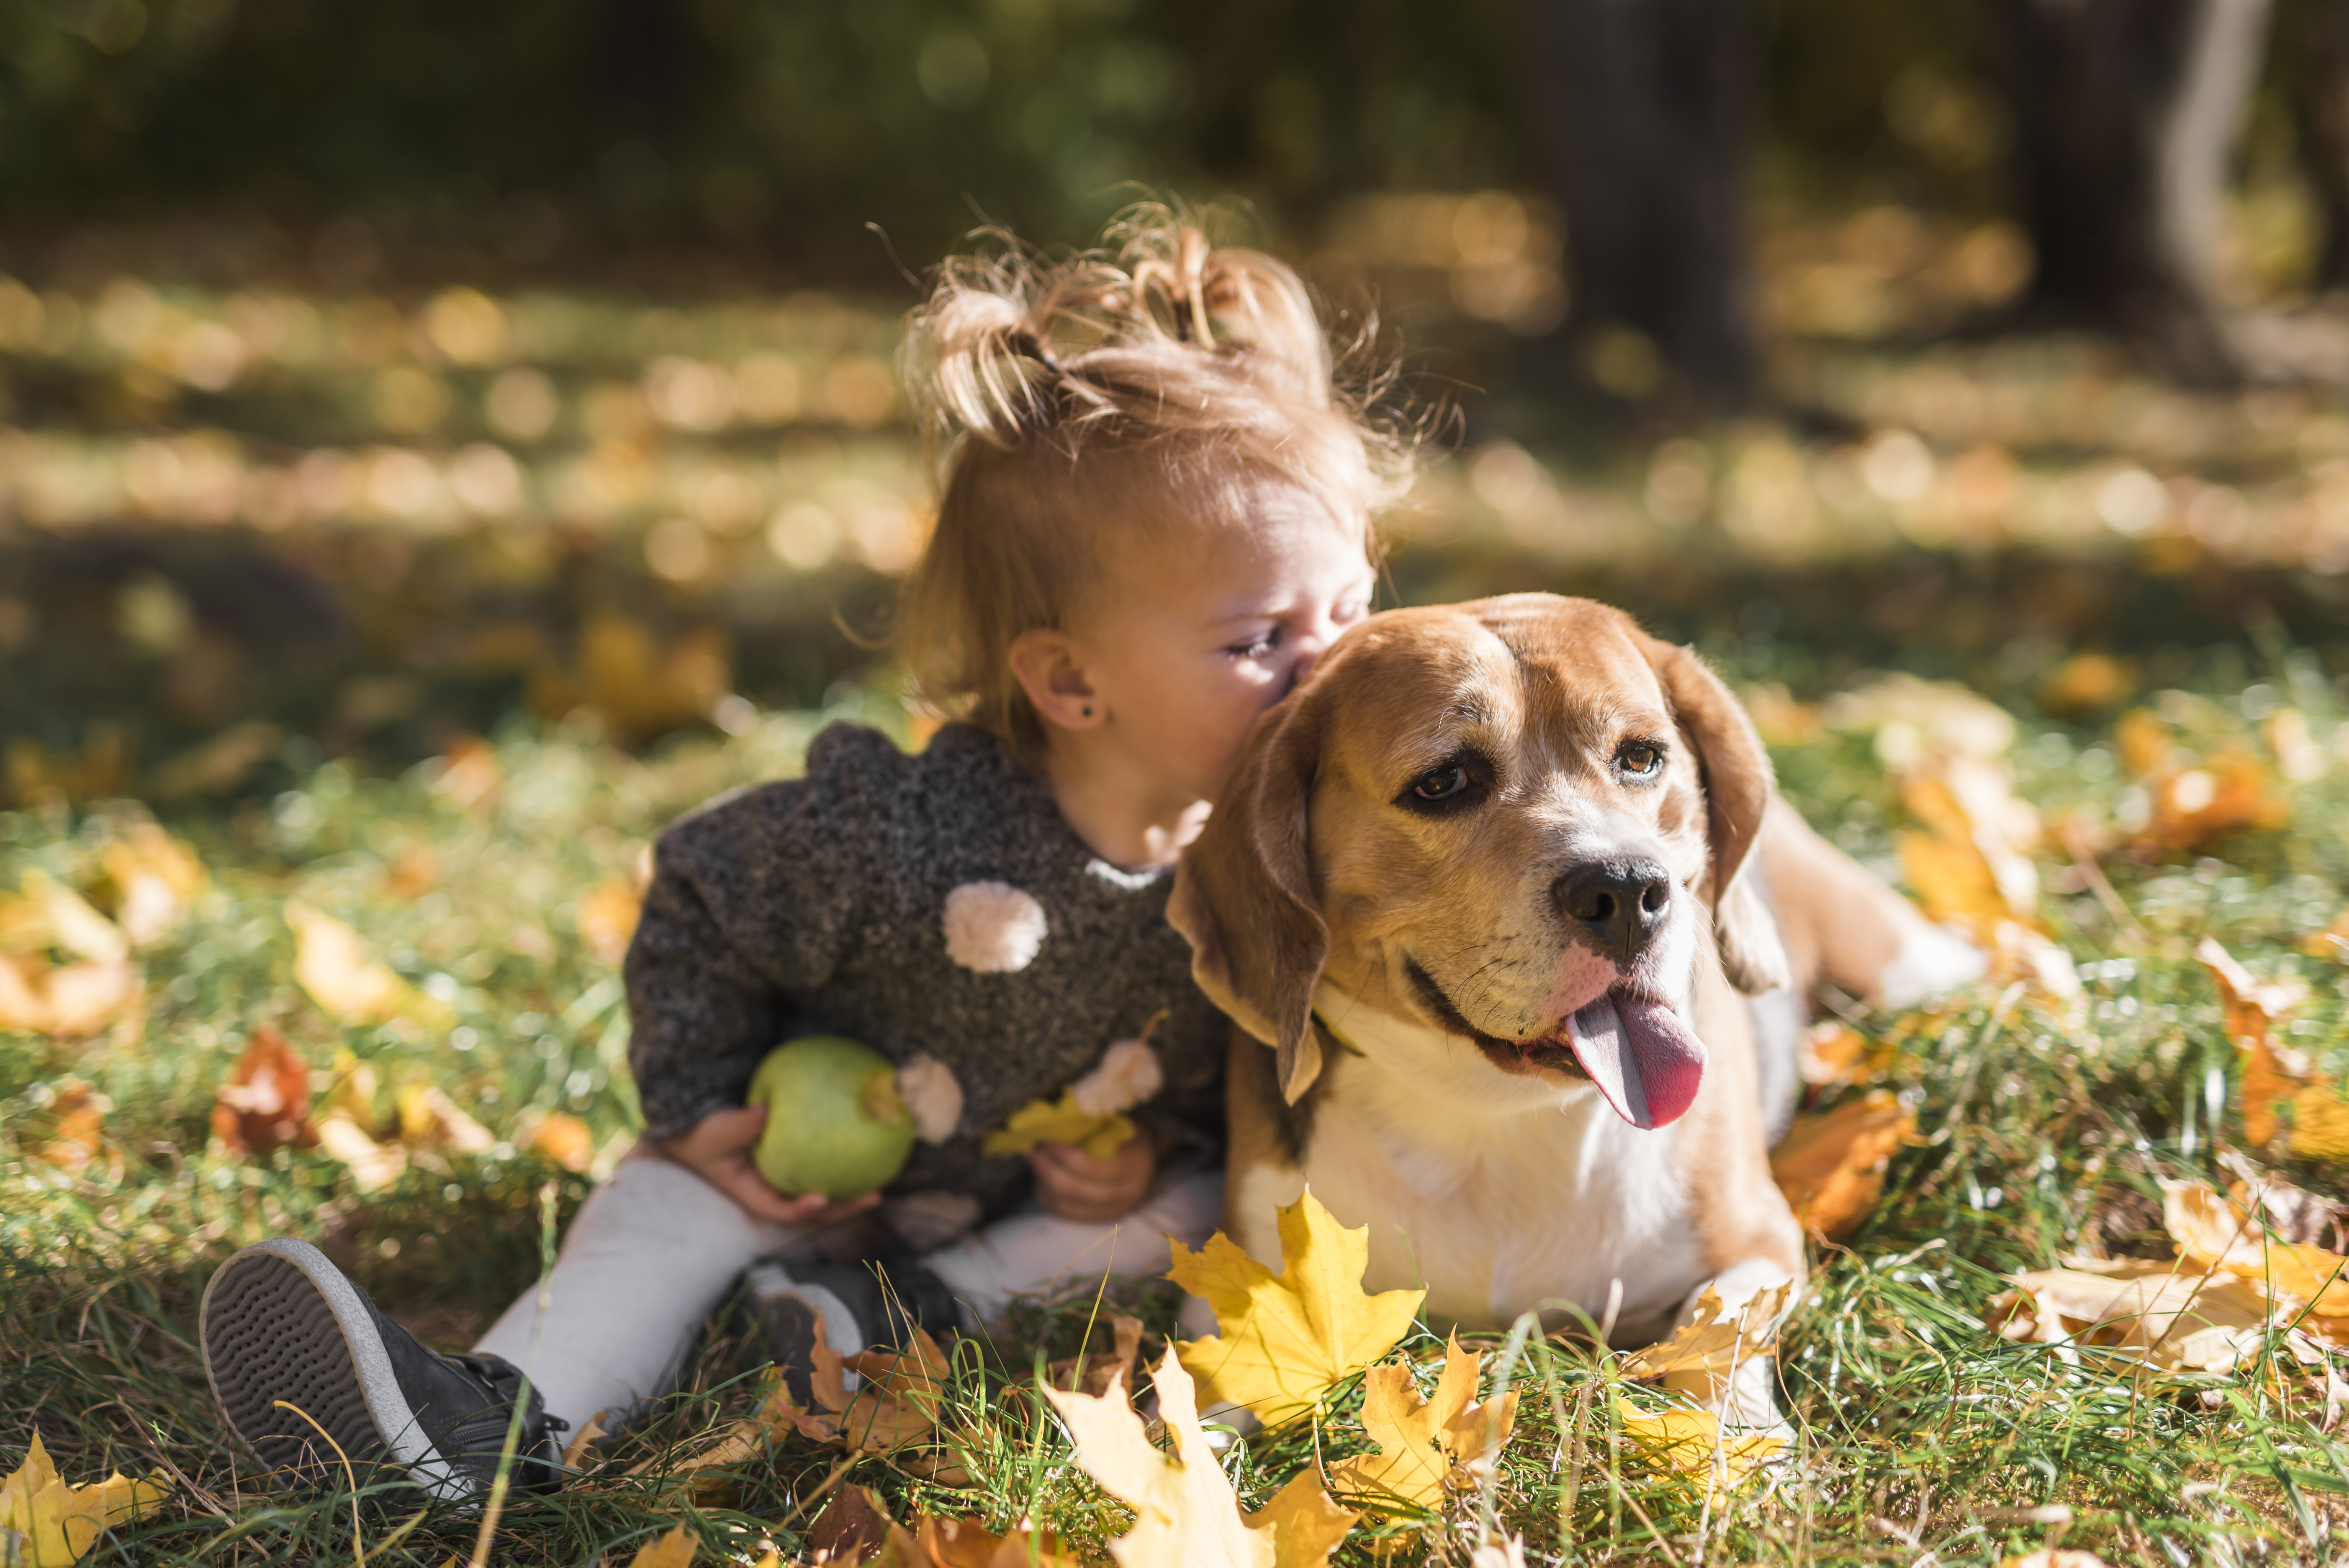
1050, 667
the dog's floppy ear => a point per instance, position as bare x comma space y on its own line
1244, 894
1737, 790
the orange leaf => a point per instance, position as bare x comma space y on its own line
607, 917
2252, 1006
562, 1138
69, 1132
1831, 1166
264, 1102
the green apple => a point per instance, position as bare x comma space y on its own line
835, 1122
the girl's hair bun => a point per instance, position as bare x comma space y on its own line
1154, 383
1011, 342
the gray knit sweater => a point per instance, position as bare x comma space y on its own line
819, 906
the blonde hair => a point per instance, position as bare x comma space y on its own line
1149, 384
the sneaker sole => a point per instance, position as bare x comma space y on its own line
279, 1323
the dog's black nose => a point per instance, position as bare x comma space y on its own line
1619, 902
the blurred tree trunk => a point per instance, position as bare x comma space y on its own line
1642, 109
2320, 30
2125, 113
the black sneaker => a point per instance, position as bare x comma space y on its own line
280, 1323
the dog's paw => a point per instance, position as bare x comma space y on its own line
1932, 960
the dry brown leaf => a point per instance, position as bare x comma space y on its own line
264, 1102
1833, 1055
2169, 1316
2272, 1075
2211, 1232
1287, 1338
1185, 1510
1101, 1367
675, 1549
1831, 1166
58, 1522
898, 1402
1425, 1444
855, 1524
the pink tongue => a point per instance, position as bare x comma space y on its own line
1642, 1056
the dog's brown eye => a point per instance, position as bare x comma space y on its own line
1640, 758
1443, 784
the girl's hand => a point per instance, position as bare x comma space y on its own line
1073, 1185
718, 1149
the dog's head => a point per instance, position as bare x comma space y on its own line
1513, 821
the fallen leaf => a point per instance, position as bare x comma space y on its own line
67, 1001
74, 926
1287, 1338
562, 1138
2084, 685
939, 1542
2213, 1232
1101, 1367
607, 916
2195, 804
2169, 1316
2272, 1075
350, 984
2331, 942
1831, 1166
70, 1130
264, 1102
1702, 1354
853, 1523
899, 1397
1425, 1443
58, 1522
429, 1119
675, 1549
469, 774
1834, 1054
151, 879
373, 1165
576, 1451
1686, 1442
1186, 1511
1060, 1121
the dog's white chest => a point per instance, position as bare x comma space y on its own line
1497, 1211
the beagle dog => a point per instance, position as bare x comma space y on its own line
1485, 884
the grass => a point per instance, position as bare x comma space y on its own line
1921, 1435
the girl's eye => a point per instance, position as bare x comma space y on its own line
1443, 784
1640, 758
1348, 614
1255, 648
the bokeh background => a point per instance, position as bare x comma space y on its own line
373, 376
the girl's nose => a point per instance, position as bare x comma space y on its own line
1311, 641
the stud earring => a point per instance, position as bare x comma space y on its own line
1088, 712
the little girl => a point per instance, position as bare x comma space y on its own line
1155, 514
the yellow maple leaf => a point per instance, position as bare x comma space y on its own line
1424, 1442
1060, 1121
59, 1523
2213, 1232
1685, 1441
1287, 1338
1186, 1511
333, 964
1703, 1354
675, 1549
